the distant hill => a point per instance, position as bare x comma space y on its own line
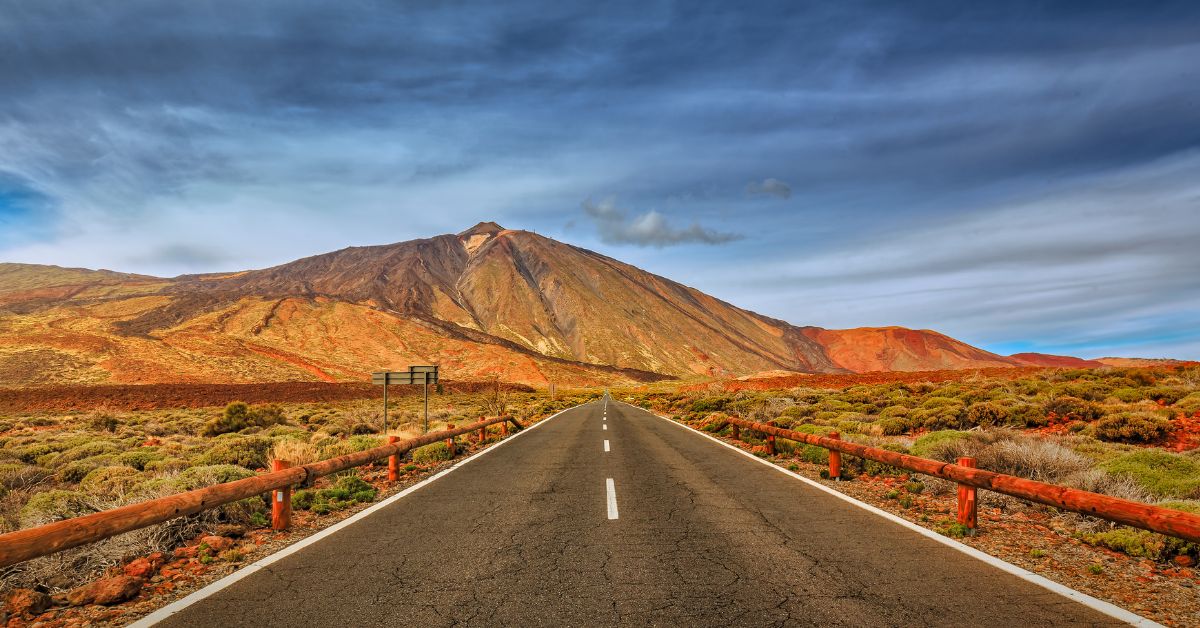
485, 302
1061, 361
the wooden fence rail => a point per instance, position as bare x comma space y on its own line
23, 545
1167, 521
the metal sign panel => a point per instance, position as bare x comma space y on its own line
402, 377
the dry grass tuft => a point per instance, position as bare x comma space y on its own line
295, 452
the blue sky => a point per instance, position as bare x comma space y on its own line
1023, 176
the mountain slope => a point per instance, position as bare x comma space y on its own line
487, 301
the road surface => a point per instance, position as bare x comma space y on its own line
607, 515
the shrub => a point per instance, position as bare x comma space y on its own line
21, 476
1075, 408
199, 477
1145, 544
1163, 474
102, 422
112, 481
436, 452
927, 445
1189, 404
74, 472
247, 451
814, 454
295, 452
86, 450
239, 416
987, 413
54, 505
139, 458
1131, 427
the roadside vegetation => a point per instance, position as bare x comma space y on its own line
1130, 433
55, 466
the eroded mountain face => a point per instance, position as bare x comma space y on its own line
482, 302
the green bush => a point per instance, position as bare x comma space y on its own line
1189, 404
54, 505
115, 480
1145, 544
814, 454
239, 416
199, 477
1162, 474
927, 445
74, 472
1074, 408
139, 458
245, 451
1131, 427
436, 452
987, 413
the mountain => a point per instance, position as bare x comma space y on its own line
485, 302
1055, 361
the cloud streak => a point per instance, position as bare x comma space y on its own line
617, 226
769, 187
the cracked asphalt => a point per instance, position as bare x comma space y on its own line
705, 537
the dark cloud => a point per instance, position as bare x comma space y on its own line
616, 226
769, 187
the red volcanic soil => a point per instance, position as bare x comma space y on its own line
1061, 361
166, 396
844, 380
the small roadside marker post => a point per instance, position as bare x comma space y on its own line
835, 460
968, 507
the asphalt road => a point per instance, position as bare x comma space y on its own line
524, 536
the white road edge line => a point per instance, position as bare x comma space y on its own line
606, 444
612, 498
223, 583
1096, 604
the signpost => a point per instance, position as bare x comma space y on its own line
424, 375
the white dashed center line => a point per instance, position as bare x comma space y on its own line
612, 498
606, 426
606, 444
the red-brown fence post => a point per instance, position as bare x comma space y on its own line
770, 444
835, 459
482, 435
450, 441
504, 428
737, 433
393, 461
281, 501
968, 506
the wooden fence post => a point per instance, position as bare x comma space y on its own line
737, 433
770, 444
504, 428
482, 435
393, 461
968, 507
835, 459
450, 441
281, 501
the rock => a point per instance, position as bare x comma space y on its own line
218, 544
27, 602
231, 530
186, 552
145, 567
113, 590
1184, 560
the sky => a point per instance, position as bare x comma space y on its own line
1023, 176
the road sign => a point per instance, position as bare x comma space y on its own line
421, 375
403, 377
